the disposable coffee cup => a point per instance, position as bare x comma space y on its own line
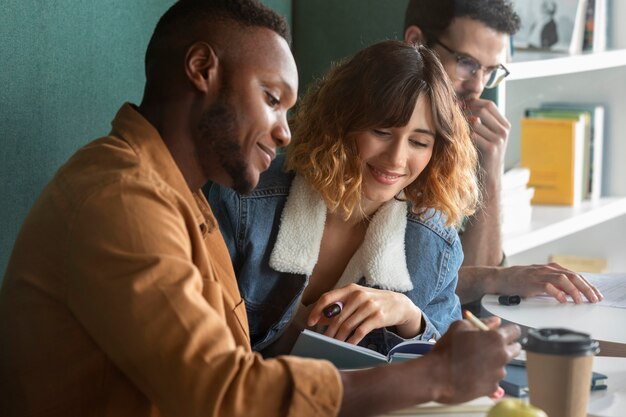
559, 362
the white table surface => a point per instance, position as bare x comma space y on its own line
606, 403
602, 323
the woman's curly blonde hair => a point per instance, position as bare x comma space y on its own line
378, 88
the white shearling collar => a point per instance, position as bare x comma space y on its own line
380, 259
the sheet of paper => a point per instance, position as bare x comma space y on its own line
612, 287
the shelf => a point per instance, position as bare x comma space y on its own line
550, 223
528, 65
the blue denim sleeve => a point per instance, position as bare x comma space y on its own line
225, 205
436, 298
445, 306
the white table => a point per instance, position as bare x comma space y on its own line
607, 403
602, 323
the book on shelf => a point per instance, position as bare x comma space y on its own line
596, 144
572, 114
578, 31
515, 200
515, 178
581, 263
553, 150
589, 25
515, 383
595, 33
551, 25
345, 355
600, 26
516, 211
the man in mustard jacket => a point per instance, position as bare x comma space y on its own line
120, 299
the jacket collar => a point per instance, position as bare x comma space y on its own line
381, 259
146, 141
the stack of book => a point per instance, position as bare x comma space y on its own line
515, 200
561, 144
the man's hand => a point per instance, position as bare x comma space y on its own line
464, 364
490, 132
551, 279
366, 309
471, 362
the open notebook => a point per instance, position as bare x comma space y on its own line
348, 356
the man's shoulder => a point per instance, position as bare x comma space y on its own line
109, 164
102, 157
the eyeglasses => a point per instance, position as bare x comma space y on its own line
467, 68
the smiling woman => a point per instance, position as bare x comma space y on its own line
392, 158
360, 210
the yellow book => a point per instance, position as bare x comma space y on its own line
581, 263
553, 150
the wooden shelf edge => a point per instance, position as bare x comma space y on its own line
550, 223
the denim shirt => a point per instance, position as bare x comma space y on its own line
250, 225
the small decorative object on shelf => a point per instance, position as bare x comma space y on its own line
564, 26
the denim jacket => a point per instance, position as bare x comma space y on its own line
273, 236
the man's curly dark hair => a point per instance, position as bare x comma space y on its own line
186, 17
434, 16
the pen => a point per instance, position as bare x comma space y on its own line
333, 309
472, 319
482, 326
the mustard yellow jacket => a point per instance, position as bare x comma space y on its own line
120, 300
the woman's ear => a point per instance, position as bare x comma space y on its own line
413, 35
201, 65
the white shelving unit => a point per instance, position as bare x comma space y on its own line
531, 65
590, 229
550, 223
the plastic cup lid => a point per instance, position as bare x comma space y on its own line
559, 341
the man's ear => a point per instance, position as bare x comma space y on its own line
201, 64
413, 35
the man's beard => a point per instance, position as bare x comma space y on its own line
218, 135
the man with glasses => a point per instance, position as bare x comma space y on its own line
470, 38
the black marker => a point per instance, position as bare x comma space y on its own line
509, 300
333, 309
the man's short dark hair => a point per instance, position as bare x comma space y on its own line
434, 16
185, 17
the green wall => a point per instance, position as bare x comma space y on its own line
326, 31
282, 7
68, 65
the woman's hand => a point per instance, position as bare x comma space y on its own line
366, 309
